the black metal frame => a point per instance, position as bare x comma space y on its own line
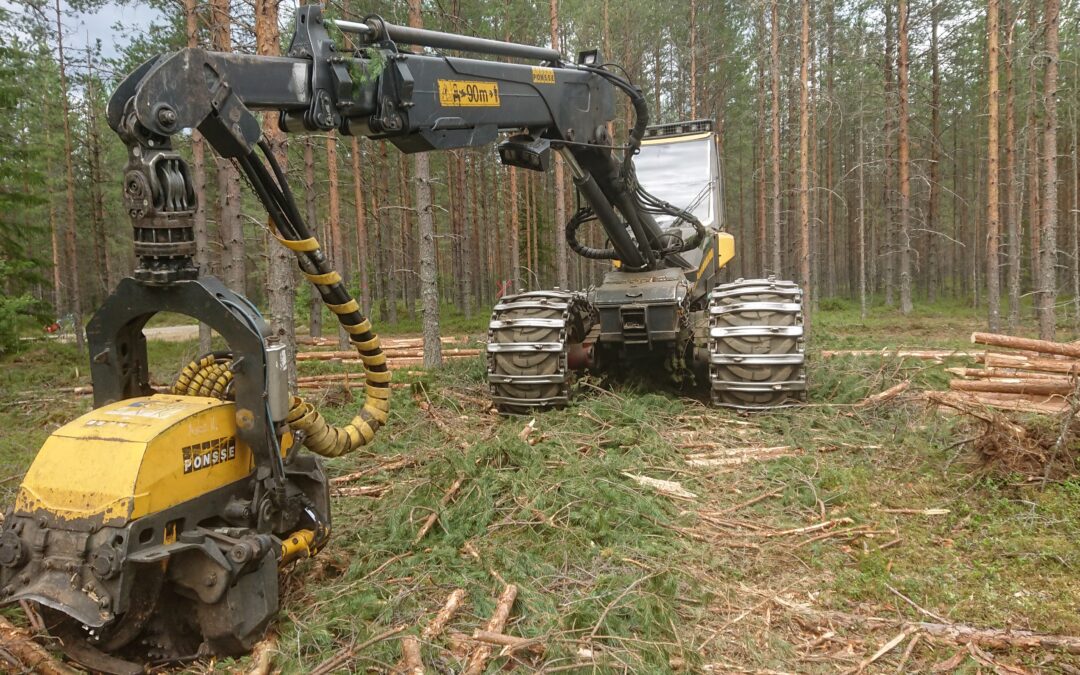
118, 359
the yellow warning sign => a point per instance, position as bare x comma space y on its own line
468, 94
543, 75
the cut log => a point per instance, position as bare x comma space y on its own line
33, 656
361, 491
882, 396
512, 643
391, 354
386, 342
668, 488
389, 465
1028, 387
482, 654
1007, 374
993, 638
922, 354
445, 615
262, 657
975, 404
736, 456
411, 662
1046, 365
1069, 349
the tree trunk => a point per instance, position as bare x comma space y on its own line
774, 65
363, 251
337, 254
384, 240
1031, 150
862, 227
1012, 198
760, 183
97, 197
403, 251
1076, 210
693, 59
281, 275
933, 207
230, 225
1048, 272
804, 170
468, 261
311, 208
562, 273
70, 247
993, 279
904, 168
830, 188
198, 178
429, 282
889, 234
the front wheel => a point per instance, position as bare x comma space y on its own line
756, 352
530, 338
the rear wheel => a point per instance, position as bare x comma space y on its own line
529, 340
756, 354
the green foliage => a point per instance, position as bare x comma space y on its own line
21, 172
16, 310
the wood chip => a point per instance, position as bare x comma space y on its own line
668, 488
359, 491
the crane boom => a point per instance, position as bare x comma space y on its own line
418, 102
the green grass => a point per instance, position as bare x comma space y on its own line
647, 582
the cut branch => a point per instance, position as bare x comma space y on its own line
482, 654
439, 623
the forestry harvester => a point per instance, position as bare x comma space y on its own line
152, 529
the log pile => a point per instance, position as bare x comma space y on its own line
1021, 375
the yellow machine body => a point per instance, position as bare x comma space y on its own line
134, 458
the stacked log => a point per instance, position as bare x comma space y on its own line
395, 355
1024, 375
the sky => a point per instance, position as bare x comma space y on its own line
83, 29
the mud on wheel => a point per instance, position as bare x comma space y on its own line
756, 356
529, 341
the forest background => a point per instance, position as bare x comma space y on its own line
884, 154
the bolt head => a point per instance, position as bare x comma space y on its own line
166, 117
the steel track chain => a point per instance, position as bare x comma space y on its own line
532, 374
756, 352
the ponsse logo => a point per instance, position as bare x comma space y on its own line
209, 453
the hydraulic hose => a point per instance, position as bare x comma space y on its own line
209, 375
580, 218
319, 435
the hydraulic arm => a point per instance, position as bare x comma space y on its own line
416, 101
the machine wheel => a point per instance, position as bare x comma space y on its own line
530, 338
756, 357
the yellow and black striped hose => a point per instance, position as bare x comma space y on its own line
209, 376
319, 436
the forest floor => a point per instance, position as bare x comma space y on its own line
816, 547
